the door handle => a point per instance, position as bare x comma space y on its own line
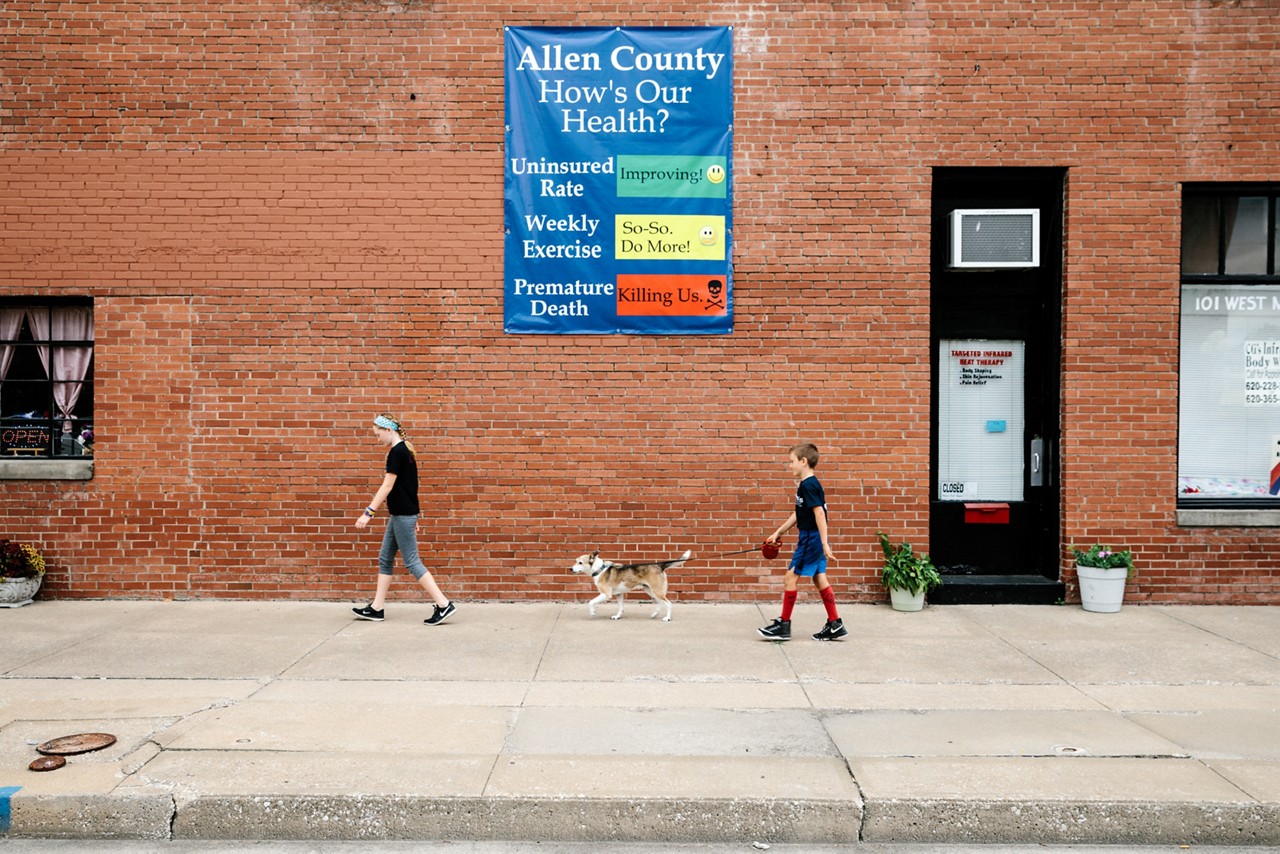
1037, 462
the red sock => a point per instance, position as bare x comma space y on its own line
829, 601
788, 602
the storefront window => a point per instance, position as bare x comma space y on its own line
46, 379
1229, 402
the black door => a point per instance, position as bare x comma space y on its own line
996, 294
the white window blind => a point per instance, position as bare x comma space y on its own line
1229, 394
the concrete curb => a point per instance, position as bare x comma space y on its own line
1092, 823
492, 819
389, 817
676, 820
91, 817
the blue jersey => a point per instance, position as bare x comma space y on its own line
809, 497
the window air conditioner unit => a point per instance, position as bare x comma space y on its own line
995, 239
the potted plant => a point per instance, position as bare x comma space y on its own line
1102, 572
21, 572
906, 575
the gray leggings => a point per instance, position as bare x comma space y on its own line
402, 536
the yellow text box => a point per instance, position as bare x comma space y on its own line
650, 237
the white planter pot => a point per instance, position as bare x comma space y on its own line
1101, 590
16, 592
901, 600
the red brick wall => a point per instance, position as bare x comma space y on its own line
289, 215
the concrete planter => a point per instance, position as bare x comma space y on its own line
903, 600
1101, 590
16, 592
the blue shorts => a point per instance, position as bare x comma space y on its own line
808, 559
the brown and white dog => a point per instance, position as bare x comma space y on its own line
618, 579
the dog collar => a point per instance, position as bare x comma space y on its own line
603, 567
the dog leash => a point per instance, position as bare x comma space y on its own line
739, 552
768, 549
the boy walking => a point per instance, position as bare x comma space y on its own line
813, 550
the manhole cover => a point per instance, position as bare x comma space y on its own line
47, 763
70, 745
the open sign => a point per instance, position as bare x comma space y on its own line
28, 438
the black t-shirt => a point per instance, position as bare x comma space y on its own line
809, 497
403, 500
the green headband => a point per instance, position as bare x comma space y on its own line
386, 423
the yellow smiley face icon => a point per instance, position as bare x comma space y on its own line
707, 236
715, 173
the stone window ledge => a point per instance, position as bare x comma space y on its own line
81, 469
1208, 518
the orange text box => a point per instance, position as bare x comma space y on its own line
672, 296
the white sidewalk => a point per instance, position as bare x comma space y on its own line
963, 723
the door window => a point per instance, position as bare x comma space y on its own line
981, 419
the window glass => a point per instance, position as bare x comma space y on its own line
1229, 395
1275, 237
1246, 235
1229, 371
1200, 235
46, 380
981, 420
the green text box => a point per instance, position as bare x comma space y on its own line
672, 177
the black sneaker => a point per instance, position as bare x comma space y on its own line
832, 630
367, 613
440, 614
779, 629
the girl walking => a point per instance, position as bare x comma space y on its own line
400, 492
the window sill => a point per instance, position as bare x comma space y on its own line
1211, 518
72, 469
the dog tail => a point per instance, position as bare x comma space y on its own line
670, 563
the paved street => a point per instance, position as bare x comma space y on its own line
42, 846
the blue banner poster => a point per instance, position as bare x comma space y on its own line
618, 200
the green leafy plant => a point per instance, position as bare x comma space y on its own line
906, 570
19, 560
1103, 557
